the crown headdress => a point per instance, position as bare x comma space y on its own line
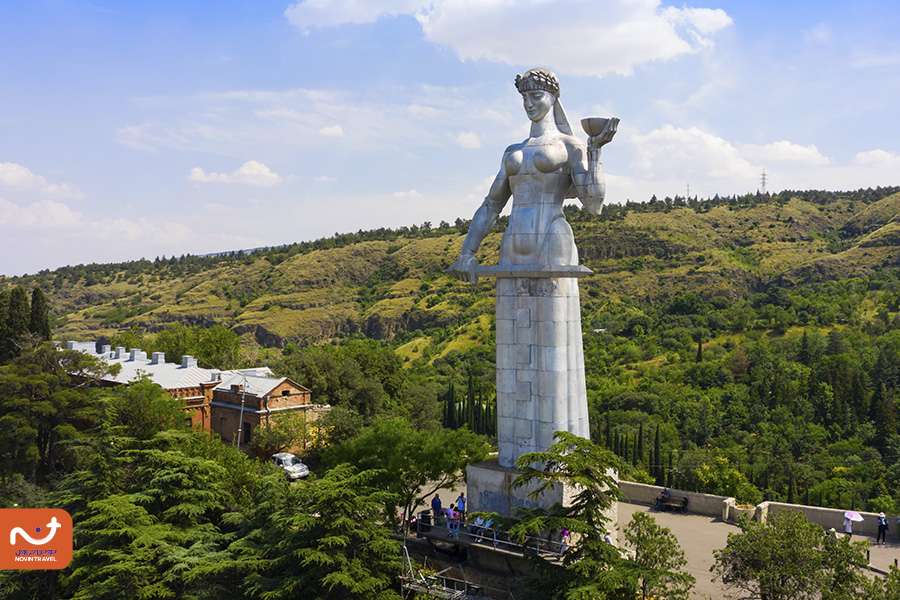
538, 79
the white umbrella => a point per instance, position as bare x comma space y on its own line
853, 515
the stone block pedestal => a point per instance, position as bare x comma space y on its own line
487, 484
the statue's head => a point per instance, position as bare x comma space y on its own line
538, 79
540, 94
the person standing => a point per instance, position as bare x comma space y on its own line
848, 527
461, 505
448, 515
454, 522
882, 529
437, 509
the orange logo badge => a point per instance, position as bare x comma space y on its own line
35, 538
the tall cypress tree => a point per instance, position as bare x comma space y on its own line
450, 408
658, 460
640, 444
609, 444
669, 474
18, 316
885, 417
40, 315
469, 407
4, 329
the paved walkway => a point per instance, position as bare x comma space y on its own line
699, 535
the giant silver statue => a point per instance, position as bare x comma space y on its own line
540, 358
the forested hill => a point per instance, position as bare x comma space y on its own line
745, 346
384, 283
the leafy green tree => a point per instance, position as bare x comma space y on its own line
884, 588
44, 393
419, 405
219, 348
143, 408
414, 463
719, 476
588, 569
39, 323
131, 338
282, 432
149, 515
322, 540
658, 559
790, 558
18, 315
176, 341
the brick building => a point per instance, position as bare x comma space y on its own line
232, 403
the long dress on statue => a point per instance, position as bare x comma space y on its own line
540, 358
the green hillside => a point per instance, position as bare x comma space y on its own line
388, 283
746, 346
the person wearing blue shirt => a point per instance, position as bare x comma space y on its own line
437, 509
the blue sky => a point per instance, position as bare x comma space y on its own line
145, 129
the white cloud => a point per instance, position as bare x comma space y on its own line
58, 235
820, 35
785, 151
251, 172
333, 131
468, 139
683, 154
704, 21
46, 213
325, 13
18, 178
409, 195
606, 37
239, 123
879, 159
481, 190
580, 37
325, 179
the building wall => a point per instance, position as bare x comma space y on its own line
288, 394
196, 401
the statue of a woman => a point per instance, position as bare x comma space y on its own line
540, 361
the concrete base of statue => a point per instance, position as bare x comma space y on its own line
488, 491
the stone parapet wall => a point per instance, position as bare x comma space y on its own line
830, 517
700, 504
728, 510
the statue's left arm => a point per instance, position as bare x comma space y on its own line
587, 169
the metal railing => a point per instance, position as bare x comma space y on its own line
485, 533
440, 585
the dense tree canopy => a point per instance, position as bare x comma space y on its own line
414, 463
789, 558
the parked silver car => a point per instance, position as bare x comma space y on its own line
293, 466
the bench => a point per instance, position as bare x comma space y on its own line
674, 503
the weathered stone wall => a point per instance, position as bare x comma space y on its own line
700, 504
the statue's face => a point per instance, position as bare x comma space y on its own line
537, 103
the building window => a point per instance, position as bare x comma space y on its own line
245, 433
188, 422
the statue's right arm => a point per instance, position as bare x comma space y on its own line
482, 223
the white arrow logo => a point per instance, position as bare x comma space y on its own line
53, 525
